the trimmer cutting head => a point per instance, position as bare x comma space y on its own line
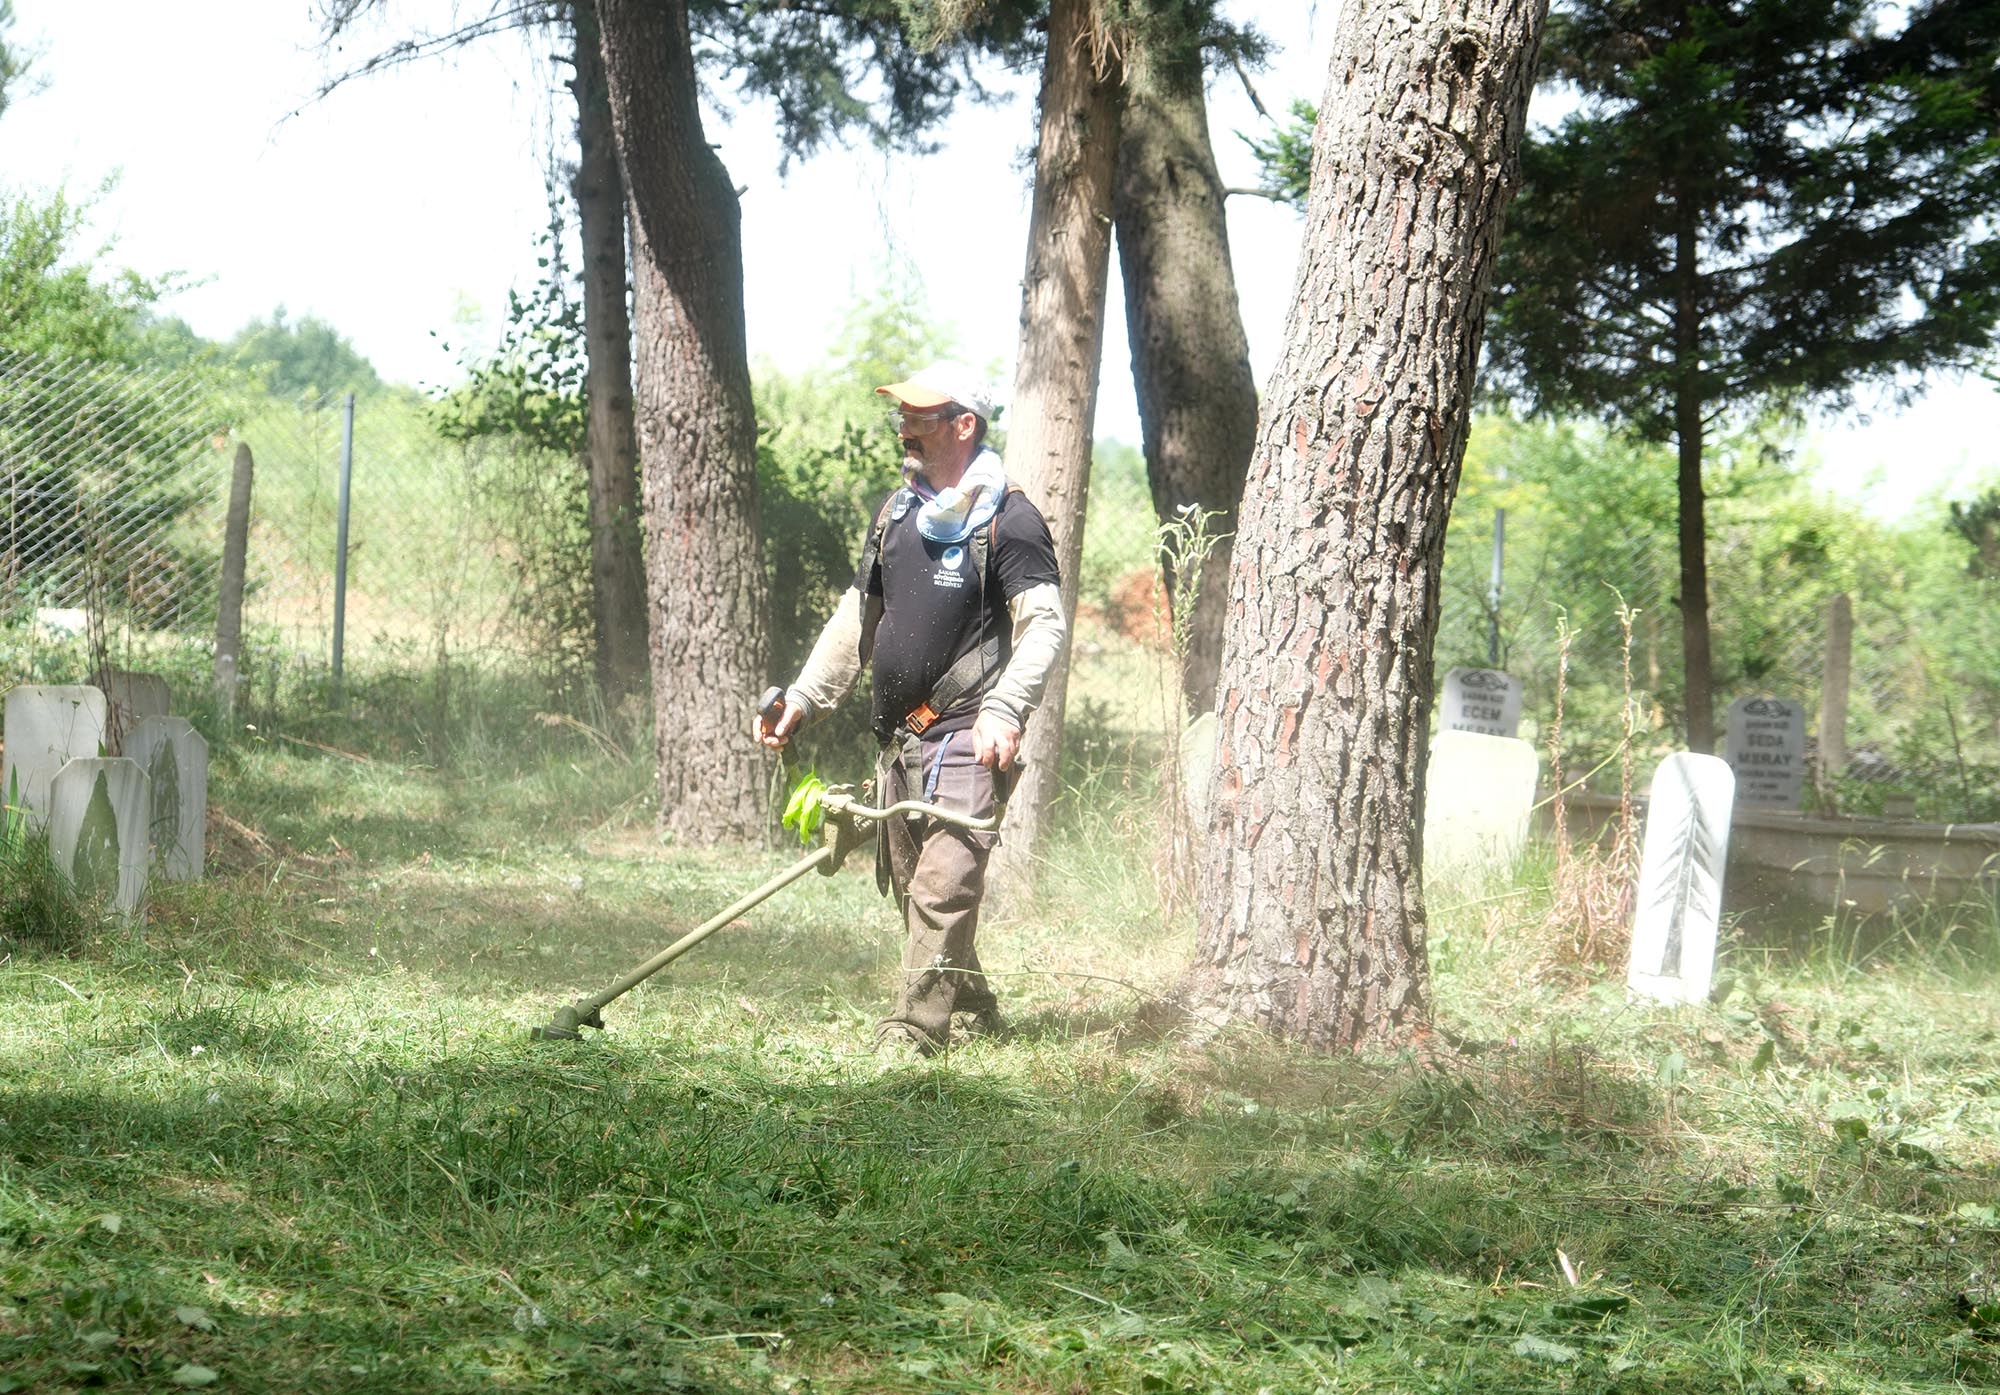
567, 1024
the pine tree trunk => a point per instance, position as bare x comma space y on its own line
1190, 360
696, 427
1697, 672
617, 569
1055, 383
1311, 900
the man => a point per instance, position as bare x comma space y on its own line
956, 604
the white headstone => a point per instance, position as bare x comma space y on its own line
1478, 793
1766, 747
99, 811
63, 621
1484, 700
175, 759
1680, 879
1198, 767
46, 726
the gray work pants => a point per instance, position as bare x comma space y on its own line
938, 874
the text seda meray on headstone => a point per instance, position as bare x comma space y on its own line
1680, 879
175, 758
1766, 747
1484, 700
44, 727
100, 811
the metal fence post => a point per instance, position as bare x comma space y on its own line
340, 541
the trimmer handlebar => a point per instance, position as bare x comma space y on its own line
839, 801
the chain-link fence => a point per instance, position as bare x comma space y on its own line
108, 479
471, 553
453, 547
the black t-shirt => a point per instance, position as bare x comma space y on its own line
931, 604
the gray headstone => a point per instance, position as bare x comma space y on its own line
1766, 747
132, 696
1484, 700
175, 759
1680, 879
46, 726
99, 811
1198, 767
1478, 793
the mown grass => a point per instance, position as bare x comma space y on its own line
291, 1134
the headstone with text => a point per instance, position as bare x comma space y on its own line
1478, 793
1679, 910
99, 811
1766, 748
175, 759
46, 726
1484, 700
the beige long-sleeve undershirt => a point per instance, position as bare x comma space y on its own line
848, 641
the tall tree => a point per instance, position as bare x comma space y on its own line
1056, 373
697, 427
617, 566
13, 61
1190, 358
1752, 205
1311, 902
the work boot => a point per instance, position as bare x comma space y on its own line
895, 1046
980, 1022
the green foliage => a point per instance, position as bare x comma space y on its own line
1978, 522
1591, 522
54, 297
1751, 204
302, 358
1284, 159
13, 60
886, 69
1118, 532
531, 388
39, 908
524, 405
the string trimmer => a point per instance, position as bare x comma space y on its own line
845, 826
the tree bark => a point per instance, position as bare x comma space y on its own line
617, 567
696, 427
1311, 899
1055, 382
1190, 359
1697, 672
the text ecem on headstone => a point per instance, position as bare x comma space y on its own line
1484, 700
1766, 748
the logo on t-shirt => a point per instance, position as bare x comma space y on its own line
949, 563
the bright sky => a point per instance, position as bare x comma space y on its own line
408, 204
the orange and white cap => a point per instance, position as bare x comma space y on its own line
941, 383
